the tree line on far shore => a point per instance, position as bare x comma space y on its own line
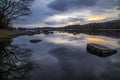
115, 24
112, 25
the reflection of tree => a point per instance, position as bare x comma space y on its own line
15, 63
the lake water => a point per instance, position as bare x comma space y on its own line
62, 56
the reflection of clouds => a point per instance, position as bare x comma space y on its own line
60, 41
65, 38
102, 41
75, 40
119, 42
63, 55
80, 39
74, 63
71, 35
97, 40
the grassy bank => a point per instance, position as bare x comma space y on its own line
7, 34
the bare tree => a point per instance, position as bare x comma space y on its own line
12, 9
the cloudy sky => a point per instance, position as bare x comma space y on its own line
59, 13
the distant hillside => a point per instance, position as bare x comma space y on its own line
115, 24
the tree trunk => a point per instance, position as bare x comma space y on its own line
4, 23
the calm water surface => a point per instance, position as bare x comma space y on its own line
63, 56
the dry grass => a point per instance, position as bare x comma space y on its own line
9, 34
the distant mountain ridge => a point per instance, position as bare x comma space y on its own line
115, 24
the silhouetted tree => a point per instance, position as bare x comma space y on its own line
12, 9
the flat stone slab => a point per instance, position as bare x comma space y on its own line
100, 50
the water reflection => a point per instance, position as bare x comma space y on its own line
108, 33
80, 39
15, 62
63, 56
102, 40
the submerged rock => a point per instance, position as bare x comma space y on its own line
100, 50
35, 40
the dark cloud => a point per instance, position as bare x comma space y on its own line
46, 12
118, 5
49, 23
55, 22
58, 5
62, 5
76, 19
39, 13
70, 19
